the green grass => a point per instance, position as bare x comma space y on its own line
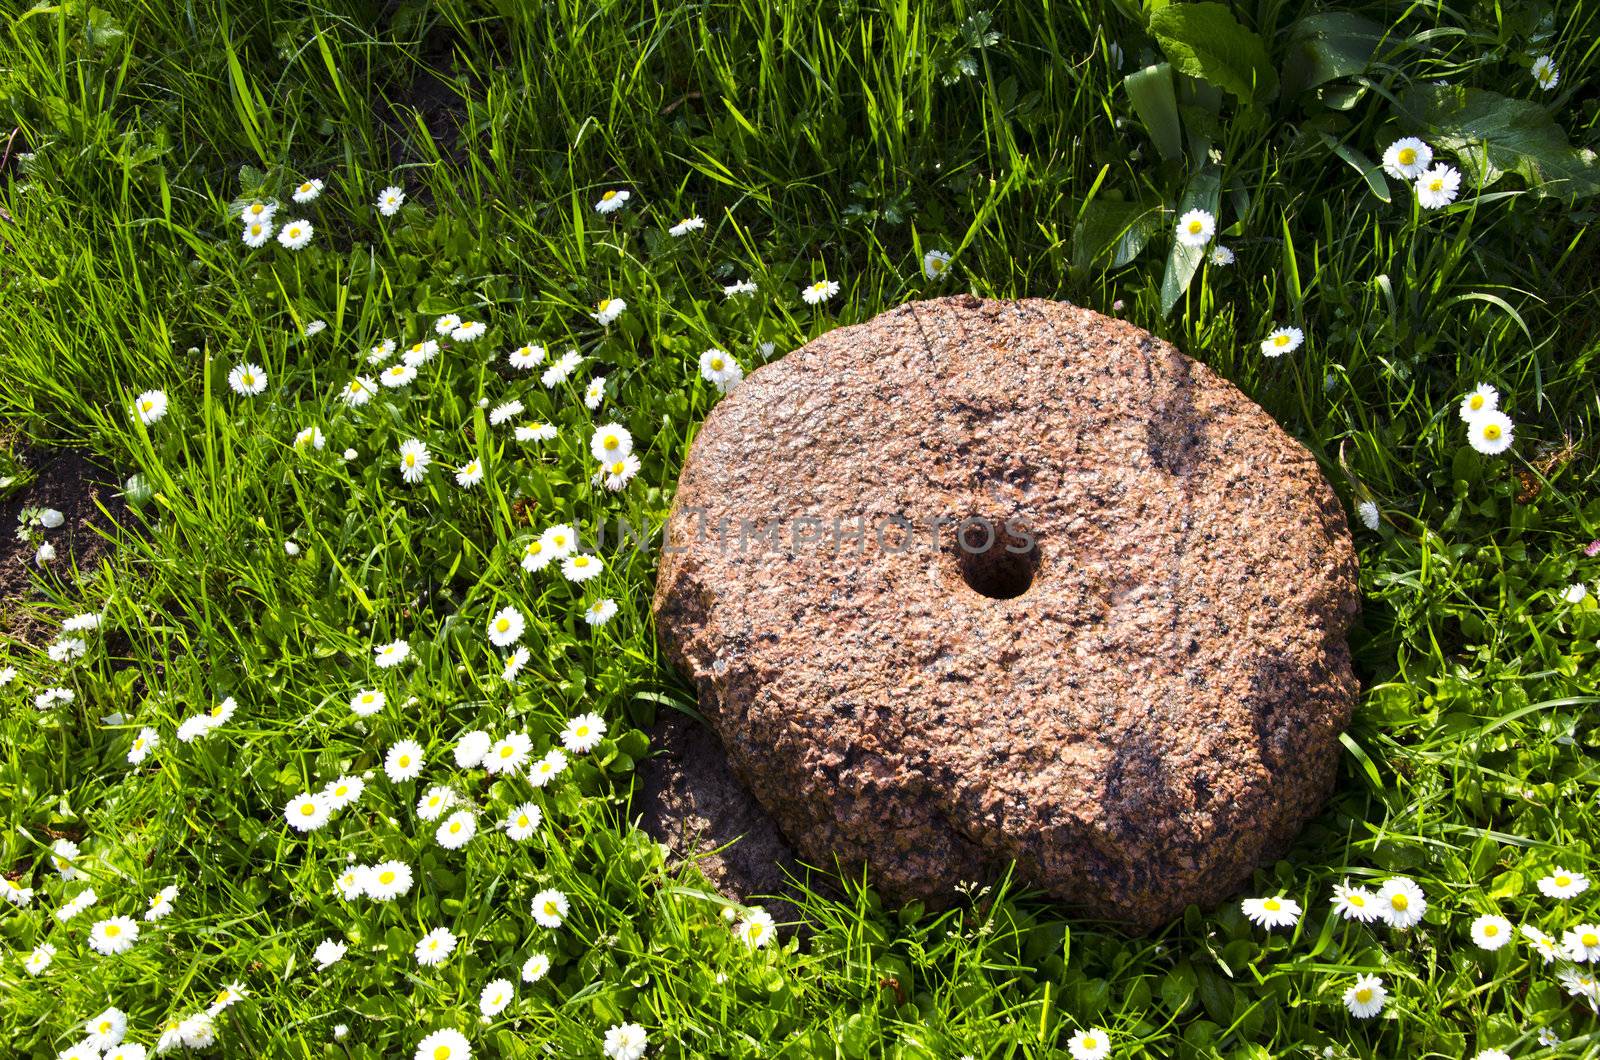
839, 140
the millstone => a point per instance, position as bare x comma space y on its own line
980, 582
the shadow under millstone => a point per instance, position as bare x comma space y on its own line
689, 799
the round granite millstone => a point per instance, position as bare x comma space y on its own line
1135, 692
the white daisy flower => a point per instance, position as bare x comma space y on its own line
819, 292
258, 211
1543, 944
504, 411
612, 201
1545, 72
390, 200
755, 930
734, 290
550, 908
39, 958
1282, 341
307, 812
1490, 432
1581, 943
600, 612
256, 234
1271, 912
526, 356
469, 331
106, 1030
1563, 883
546, 769
1483, 398
308, 191
381, 352
610, 441
1365, 997
398, 375
247, 380
1579, 983
296, 234
718, 368
1402, 902
595, 392
386, 881
435, 801
435, 947
687, 225
607, 310
1221, 256
508, 754
150, 406
1369, 515
583, 733
1196, 228
563, 367
1091, 1044
414, 460
581, 567
359, 391
506, 627
64, 855
457, 830
497, 994
535, 968
114, 935
471, 748
16, 893
935, 263
1438, 187
514, 664
625, 1041
309, 438
523, 822
420, 353
1491, 932
329, 952
367, 702
391, 654
469, 474
560, 540
314, 328
404, 761
161, 903
1407, 158
343, 791
446, 324
619, 473
1576, 593
447, 1044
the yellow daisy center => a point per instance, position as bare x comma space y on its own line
1435, 184
716, 364
1400, 902
1491, 930
1475, 402
305, 187
1195, 227
455, 826
1090, 1043
522, 821
1357, 901
442, 1053
1491, 431
405, 760
1363, 995
549, 909
1280, 340
308, 809
1408, 156
1563, 881
112, 930
1590, 939
1272, 905
387, 876
608, 196
503, 625
506, 752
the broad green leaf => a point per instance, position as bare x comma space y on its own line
1203, 193
1492, 135
1328, 46
1370, 172
1117, 229
1156, 102
1205, 41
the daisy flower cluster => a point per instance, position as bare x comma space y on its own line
1488, 429
1399, 903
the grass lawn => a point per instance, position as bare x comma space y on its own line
188, 753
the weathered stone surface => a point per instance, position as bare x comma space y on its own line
1138, 710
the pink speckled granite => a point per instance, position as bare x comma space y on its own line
1155, 714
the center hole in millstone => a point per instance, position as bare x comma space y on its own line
997, 558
